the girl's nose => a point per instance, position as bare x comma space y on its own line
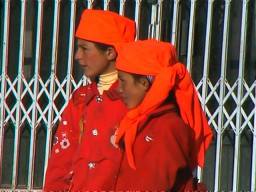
119, 89
77, 54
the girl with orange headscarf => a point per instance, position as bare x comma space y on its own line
165, 134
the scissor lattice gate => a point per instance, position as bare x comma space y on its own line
216, 39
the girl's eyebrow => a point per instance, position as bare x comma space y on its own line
82, 45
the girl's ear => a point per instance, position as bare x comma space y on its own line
111, 53
143, 81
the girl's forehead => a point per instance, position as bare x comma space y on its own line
84, 42
122, 73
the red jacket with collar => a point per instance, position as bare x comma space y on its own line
162, 154
82, 142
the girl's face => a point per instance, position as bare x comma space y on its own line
132, 91
93, 61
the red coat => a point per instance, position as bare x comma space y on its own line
162, 154
71, 163
162, 148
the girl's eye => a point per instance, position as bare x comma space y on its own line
83, 48
121, 80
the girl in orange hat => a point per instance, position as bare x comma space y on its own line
83, 156
165, 134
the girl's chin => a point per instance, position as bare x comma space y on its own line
129, 106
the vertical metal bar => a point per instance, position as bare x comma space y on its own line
90, 4
52, 78
31, 158
5, 52
19, 92
240, 95
152, 25
106, 4
122, 7
156, 21
222, 94
191, 34
175, 22
35, 92
206, 63
71, 48
137, 17
207, 49
236, 161
160, 18
253, 177
218, 160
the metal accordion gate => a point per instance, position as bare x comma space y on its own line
215, 39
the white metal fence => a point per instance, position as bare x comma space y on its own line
216, 39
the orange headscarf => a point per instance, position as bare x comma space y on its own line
105, 27
151, 57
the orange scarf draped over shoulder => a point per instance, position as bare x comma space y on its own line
151, 57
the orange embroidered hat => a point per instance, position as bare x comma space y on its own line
151, 57
105, 27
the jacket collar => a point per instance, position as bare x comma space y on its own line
92, 91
